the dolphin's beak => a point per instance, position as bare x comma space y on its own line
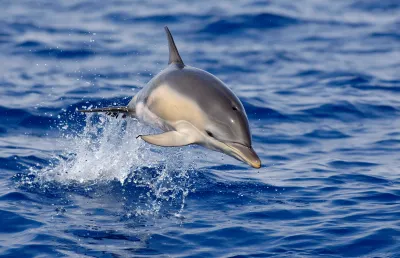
244, 153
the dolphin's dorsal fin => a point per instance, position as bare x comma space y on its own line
174, 56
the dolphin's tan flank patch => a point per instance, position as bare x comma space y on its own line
173, 107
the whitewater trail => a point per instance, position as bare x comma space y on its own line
107, 150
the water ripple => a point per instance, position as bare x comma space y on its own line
261, 21
319, 82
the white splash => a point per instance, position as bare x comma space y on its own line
108, 150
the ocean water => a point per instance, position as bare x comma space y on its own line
320, 81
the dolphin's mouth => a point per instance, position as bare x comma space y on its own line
244, 153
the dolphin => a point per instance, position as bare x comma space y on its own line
190, 106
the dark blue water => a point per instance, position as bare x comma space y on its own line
320, 81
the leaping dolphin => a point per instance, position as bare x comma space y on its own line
191, 106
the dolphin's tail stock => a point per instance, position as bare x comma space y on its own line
112, 111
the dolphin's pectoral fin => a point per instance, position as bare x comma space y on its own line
168, 139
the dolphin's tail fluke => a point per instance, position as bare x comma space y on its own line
111, 111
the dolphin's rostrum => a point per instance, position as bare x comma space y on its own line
191, 106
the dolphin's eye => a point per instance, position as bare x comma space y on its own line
210, 134
235, 108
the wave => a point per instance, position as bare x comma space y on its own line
13, 223
351, 164
127, 18
374, 6
326, 134
346, 111
14, 118
261, 21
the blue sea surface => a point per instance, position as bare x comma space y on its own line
320, 82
